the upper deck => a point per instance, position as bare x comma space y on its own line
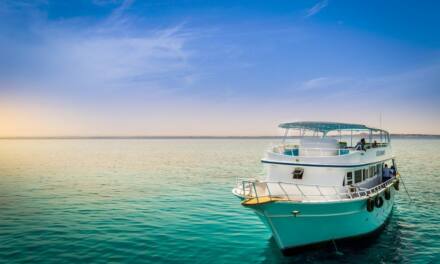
317, 142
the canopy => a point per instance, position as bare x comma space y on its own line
326, 127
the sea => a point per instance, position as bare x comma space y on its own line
170, 201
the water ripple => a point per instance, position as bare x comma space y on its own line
169, 201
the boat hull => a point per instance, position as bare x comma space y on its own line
320, 222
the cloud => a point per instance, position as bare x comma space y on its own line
419, 84
313, 83
317, 8
118, 52
105, 2
329, 83
119, 11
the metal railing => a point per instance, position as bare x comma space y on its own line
300, 151
293, 149
251, 188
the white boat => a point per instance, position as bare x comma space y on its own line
320, 187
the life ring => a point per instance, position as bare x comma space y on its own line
387, 193
396, 185
378, 201
370, 205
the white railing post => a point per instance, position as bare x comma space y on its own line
337, 192
302, 194
255, 189
244, 189
284, 191
268, 191
319, 189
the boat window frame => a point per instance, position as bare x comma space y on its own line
364, 174
371, 172
379, 167
356, 176
349, 181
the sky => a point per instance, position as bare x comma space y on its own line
216, 68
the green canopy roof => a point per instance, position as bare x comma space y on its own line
326, 127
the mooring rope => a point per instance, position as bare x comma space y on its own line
406, 190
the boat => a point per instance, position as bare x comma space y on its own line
322, 187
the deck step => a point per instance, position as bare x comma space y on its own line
262, 200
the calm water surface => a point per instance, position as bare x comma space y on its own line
170, 201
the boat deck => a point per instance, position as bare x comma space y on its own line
263, 200
257, 193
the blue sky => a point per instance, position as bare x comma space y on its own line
110, 67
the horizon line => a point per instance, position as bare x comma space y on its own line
189, 137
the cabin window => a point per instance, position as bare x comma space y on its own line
357, 176
372, 173
365, 174
349, 178
298, 173
379, 169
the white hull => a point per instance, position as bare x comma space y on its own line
320, 222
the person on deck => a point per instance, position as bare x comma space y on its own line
393, 170
386, 173
360, 145
375, 144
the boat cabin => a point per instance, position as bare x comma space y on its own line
329, 154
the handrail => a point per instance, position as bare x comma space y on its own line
320, 192
322, 151
291, 147
284, 191
340, 193
302, 193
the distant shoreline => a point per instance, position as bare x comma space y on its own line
414, 136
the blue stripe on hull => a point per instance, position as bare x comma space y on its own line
319, 222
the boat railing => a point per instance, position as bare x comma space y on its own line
296, 150
300, 151
269, 191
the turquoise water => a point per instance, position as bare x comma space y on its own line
164, 201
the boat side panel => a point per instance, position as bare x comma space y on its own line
312, 175
324, 171
318, 222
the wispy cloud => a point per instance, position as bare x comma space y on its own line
106, 2
119, 11
328, 83
317, 8
419, 83
114, 53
